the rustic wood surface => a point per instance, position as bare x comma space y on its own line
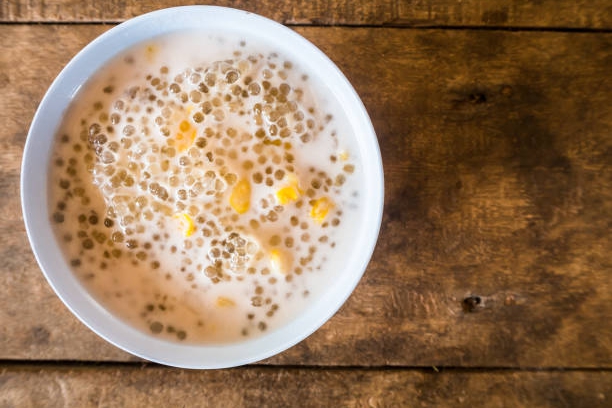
575, 14
112, 386
495, 253
497, 185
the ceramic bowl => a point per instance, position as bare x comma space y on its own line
36, 162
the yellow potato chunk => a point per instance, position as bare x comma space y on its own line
320, 208
185, 137
280, 261
223, 301
186, 224
287, 194
290, 192
151, 52
240, 198
184, 126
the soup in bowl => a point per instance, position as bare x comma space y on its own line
211, 187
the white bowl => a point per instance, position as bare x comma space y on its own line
36, 162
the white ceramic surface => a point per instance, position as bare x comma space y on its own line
36, 163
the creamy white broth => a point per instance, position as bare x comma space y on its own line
205, 188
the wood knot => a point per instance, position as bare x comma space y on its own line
470, 303
40, 335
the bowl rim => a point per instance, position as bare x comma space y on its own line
56, 269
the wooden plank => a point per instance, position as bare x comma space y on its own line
497, 155
51, 386
591, 14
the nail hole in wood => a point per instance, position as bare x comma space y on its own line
477, 98
469, 303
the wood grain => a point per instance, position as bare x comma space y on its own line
589, 14
82, 387
497, 149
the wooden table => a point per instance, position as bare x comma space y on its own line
491, 284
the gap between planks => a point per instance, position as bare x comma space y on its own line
381, 26
58, 364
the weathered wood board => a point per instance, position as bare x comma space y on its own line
582, 14
57, 386
497, 149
